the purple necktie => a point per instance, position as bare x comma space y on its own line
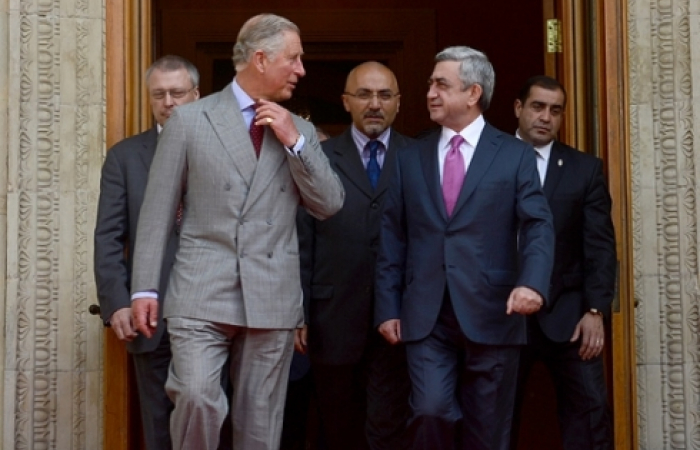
453, 174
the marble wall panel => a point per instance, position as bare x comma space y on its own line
55, 122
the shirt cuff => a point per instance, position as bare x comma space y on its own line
142, 294
295, 150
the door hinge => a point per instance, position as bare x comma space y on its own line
554, 40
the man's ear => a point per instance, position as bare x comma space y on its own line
476, 92
259, 60
517, 107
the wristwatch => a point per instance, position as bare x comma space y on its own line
595, 312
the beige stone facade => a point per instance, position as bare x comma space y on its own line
51, 150
52, 93
664, 60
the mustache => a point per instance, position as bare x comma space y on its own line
374, 115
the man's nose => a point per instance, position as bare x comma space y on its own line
300, 69
545, 115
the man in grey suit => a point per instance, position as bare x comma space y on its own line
171, 81
361, 380
235, 287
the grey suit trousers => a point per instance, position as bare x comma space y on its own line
260, 360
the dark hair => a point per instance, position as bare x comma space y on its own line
542, 81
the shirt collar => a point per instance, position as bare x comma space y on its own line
470, 134
544, 150
361, 139
244, 100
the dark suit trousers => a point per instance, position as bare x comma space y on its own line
582, 400
151, 373
365, 405
463, 392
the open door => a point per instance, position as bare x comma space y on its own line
585, 49
588, 57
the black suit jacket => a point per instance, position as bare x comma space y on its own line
123, 183
585, 261
338, 256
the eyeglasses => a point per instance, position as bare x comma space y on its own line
367, 95
174, 93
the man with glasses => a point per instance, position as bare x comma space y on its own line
361, 381
171, 81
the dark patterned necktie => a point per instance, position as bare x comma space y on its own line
256, 136
373, 169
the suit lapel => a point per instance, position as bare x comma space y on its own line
554, 170
149, 142
272, 156
227, 121
396, 141
431, 173
348, 162
484, 153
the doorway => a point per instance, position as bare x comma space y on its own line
405, 35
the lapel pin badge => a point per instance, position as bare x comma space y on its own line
560, 163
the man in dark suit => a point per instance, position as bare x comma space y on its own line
171, 81
569, 334
361, 381
244, 164
466, 251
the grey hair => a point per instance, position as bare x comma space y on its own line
474, 68
262, 32
171, 63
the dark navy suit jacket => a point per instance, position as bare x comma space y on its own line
499, 236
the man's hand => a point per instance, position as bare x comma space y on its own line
592, 333
122, 325
300, 339
391, 330
279, 120
144, 312
523, 300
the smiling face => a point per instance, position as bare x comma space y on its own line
281, 72
449, 104
168, 89
372, 98
540, 117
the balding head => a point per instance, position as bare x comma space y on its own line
371, 97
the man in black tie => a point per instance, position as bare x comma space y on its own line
569, 334
361, 381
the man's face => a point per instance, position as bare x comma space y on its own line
371, 97
540, 117
448, 103
167, 90
282, 72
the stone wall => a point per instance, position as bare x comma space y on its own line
52, 99
664, 62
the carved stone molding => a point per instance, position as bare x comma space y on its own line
55, 129
665, 215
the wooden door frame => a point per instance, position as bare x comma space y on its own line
129, 46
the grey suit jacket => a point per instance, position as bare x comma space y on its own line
338, 256
238, 261
122, 186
